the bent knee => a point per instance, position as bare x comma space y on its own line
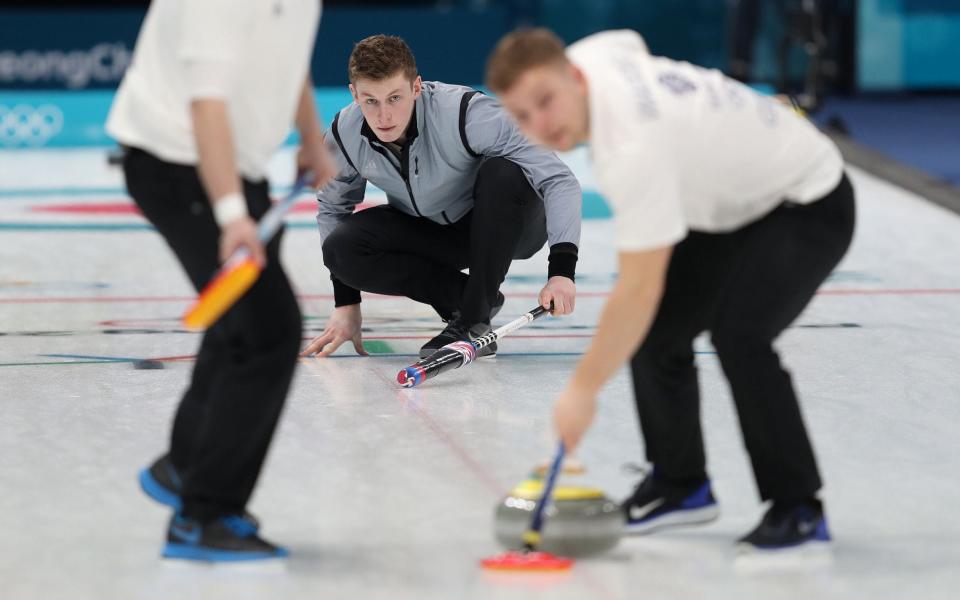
341, 251
496, 176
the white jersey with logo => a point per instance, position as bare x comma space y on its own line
254, 54
677, 147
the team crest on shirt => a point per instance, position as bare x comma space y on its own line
713, 98
633, 75
676, 83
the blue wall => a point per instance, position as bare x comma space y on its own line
908, 44
902, 43
59, 118
62, 48
90, 48
691, 30
59, 67
450, 45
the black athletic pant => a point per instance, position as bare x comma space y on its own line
745, 287
246, 360
385, 251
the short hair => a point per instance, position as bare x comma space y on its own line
518, 52
379, 57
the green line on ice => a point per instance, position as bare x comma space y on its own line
377, 347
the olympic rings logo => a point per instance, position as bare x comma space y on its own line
25, 125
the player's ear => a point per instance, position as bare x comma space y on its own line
577, 74
353, 92
417, 87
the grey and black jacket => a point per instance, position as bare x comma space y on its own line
452, 130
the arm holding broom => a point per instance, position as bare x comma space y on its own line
218, 172
624, 322
242, 240
313, 156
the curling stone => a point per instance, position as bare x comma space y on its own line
580, 521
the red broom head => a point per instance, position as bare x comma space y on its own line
519, 560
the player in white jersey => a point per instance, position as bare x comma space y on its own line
730, 210
212, 92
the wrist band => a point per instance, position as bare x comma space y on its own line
562, 260
229, 208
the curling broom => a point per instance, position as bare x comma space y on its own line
528, 558
459, 354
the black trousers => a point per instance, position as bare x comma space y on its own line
246, 360
744, 287
385, 251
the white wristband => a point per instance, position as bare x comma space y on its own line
229, 208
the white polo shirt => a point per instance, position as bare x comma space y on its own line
254, 54
676, 147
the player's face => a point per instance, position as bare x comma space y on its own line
549, 104
387, 104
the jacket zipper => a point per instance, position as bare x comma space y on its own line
412, 199
403, 170
405, 174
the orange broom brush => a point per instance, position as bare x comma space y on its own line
239, 272
528, 559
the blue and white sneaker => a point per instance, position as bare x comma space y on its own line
162, 483
657, 505
226, 539
788, 525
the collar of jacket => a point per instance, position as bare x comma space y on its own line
413, 128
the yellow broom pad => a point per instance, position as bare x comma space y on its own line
220, 294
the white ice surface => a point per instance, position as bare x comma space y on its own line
384, 493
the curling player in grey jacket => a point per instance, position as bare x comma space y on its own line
465, 190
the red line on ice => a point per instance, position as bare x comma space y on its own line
125, 207
124, 299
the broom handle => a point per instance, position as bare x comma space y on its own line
273, 219
531, 538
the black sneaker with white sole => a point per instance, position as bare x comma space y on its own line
458, 331
788, 525
455, 331
656, 504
